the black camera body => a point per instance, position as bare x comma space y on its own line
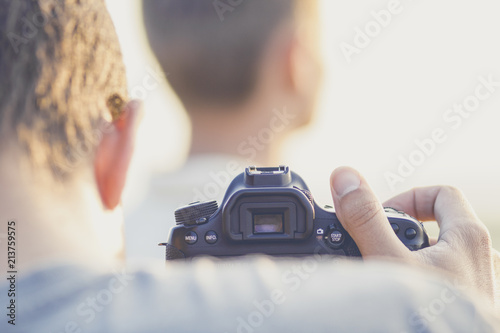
271, 211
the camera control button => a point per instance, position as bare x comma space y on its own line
335, 238
211, 237
191, 237
410, 233
395, 227
202, 220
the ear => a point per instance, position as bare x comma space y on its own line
302, 76
113, 155
303, 68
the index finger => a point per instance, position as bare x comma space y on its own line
444, 204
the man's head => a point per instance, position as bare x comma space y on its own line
66, 131
63, 80
222, 55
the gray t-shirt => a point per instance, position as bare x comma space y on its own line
245, 296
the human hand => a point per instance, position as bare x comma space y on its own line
463, 248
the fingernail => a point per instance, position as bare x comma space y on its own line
345, 182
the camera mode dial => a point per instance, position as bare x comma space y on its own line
195, 213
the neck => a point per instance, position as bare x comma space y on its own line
58, 222
250, 133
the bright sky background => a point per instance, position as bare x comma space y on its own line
395, 91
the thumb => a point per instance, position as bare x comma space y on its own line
362, 215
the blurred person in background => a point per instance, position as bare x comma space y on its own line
63, 89
247, 76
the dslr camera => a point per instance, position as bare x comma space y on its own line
271, 211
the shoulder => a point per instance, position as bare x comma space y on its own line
246, 295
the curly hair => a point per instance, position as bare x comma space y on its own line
60, 64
